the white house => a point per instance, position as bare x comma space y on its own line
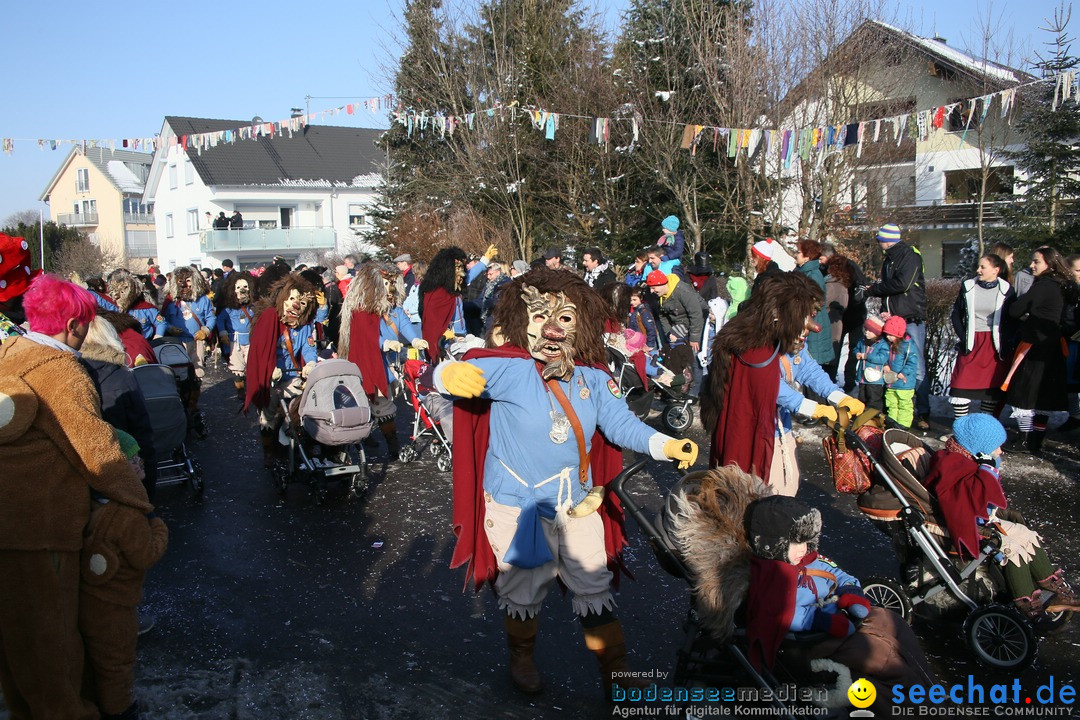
301, 192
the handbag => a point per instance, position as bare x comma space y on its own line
851, 467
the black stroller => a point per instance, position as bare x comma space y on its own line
171, 352
324, 431
677, 413
160, 387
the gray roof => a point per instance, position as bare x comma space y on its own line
315, 155
127, 170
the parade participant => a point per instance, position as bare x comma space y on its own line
534, 452
372, 324
441, 313
236, 317
54, 447
189, 313
130, 295
122, 543
15, 277
743, 385
281, 353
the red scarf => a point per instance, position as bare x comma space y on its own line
439, 307
366, 351
262, 358
746, 430
963, 489
770, 605
471, 437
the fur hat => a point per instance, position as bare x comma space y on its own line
775, 522
764, 248
656, 278
888, 233
979, 434
895, 326
670, 223
15, 272
874, 324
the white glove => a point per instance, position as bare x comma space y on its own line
276, 375
420, 343
391, 346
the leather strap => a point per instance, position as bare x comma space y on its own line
814, 572
575, 423
298, 361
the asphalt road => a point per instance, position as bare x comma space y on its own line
269, 609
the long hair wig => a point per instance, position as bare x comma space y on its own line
199, 286
279, 293
228, 297
442, 272
775, 315
367, 293
510, 319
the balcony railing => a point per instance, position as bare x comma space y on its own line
139, 218
313, 238
78, 219
916, 216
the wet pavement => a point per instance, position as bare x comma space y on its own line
283, 609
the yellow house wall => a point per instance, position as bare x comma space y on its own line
110, 204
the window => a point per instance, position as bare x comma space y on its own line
356, 215
189, 172
77, 209
957, 119
82, 180
172, 177
962, 186
140, 242
89, 207
192, 221
168, 225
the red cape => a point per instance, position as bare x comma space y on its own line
366, 351
471, 435
262, 359
963, 492
770, 605
438, 313
746, 430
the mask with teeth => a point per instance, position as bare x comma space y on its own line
243, 292
552, 330
294, 306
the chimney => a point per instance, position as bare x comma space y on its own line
938, 38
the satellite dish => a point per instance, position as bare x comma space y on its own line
256, 120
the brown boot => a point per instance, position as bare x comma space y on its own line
607, 643
238, 383
1031, 608
393, 447
1063, 598
521, 637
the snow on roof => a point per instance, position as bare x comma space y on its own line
958, 58
125, 180
360, 181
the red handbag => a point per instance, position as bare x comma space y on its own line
851, 468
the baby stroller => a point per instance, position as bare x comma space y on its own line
324, 430
714, 650
938, 582
171, 351
677, 413
169, 421
425, 431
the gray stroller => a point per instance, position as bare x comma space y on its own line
160, 387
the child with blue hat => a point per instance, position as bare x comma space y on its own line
672, 241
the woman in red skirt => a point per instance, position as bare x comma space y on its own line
977, 316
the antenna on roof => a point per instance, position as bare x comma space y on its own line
296, 112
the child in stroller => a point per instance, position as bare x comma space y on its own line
636, 374
433, 416
966, 479
324, 430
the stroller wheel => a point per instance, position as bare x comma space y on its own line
408, 454
1000, 637
888, 594
444, 462
678, 417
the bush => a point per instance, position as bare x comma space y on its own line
940, 338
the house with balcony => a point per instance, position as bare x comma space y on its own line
938, 178
300, 194
100, 192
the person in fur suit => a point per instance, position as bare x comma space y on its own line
281, 354
741, 391
190, 314
442, 316
539, 417
236, 317
131, 298
122, 543
372, 327
50, 417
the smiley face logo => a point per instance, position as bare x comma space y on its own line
862, 693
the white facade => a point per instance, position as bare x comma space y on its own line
288, 219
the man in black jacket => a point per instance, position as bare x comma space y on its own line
597, 272
902, 288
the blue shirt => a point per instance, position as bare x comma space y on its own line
190, 317
303, 345
811, 591
237, 323
151, 322
806, 373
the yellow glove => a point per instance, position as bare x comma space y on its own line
463, 379
491, 252
223, 339
420, 343
140, 361
685, 451
825, 411
449, 334
391, 346
853, 406
321, 298
201, 333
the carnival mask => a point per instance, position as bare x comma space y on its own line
388, 283
552, 330
459, 275
243, 292
809, 327
293, 308
186, 288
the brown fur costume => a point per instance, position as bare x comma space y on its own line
227, 299
127, 290
199, 286
367, 293
775, 314
510, 322
279, 293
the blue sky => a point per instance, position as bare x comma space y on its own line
113, 69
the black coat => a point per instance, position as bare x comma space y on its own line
902, 284
123, 407
1039, 383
